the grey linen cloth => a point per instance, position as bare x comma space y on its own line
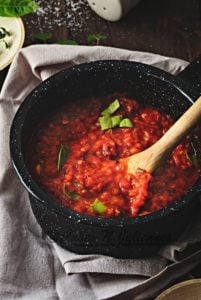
32, 266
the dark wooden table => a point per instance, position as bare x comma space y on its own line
168, 27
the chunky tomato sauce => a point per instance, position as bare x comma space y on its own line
87, 176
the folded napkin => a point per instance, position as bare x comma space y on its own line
32, 266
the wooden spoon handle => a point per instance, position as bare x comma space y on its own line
180, 129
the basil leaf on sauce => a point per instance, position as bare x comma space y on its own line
126, 123
62, 156
116, 120
111, 108
193, 158
105, 122
73, 196
108, 122
98, 206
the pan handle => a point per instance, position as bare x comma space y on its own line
192, 74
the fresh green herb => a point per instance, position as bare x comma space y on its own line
193, 158
46, 37
116, 120
17, 8
105, 122
43, 36
68, 42
126, 123
96, 38
62, 156
73, 196
112, 108
108, 122
98, 206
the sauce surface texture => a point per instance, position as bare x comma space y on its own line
74, 160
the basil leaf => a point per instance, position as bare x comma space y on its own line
108, 122
111, 108
96, 37
17, 8
116, 120
126, 123
68, 42
98, 206
62, 156
43, 36
193, 159
105, 122
73, 196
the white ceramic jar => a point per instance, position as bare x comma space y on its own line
112, 10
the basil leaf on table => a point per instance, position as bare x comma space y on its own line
43, 36
96, 37
67, 42
17, 8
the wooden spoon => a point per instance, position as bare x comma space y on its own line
151, 158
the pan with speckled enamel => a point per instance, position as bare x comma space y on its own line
119, 237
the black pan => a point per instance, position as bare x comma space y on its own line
80, 233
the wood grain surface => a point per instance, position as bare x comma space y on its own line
168, 27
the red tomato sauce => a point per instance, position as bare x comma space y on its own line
91, 180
